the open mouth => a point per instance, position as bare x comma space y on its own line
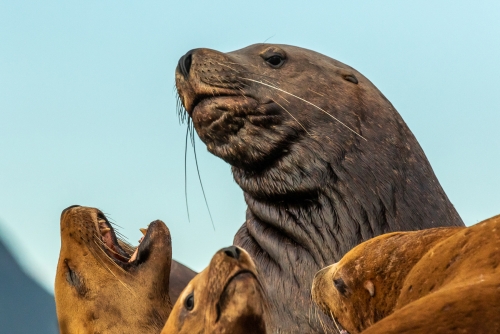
119, 251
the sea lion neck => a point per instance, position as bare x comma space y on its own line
311, 208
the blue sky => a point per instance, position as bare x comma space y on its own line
87, 106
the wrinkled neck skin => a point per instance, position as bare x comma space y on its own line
322, 198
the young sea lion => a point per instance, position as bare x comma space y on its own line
443, 280
226, 297
323, 158
104, 286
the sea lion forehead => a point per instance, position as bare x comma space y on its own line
293, 53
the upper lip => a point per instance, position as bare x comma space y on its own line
238, 273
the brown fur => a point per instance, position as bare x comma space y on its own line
228, 298
97, 294
433, 281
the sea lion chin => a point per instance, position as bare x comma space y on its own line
443, 280
324, 159
105, 286
226, 297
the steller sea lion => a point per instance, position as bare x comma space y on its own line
444, 280
324, 160
226, 297
102, 285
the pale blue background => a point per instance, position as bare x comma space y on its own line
87, 109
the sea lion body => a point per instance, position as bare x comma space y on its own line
443, 280
226, 297
324, 160
102, 286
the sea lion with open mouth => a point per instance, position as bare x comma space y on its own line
324, 160
443, 280
226, 297
105, 286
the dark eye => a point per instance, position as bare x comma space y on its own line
275, 61
189, 302
340, 286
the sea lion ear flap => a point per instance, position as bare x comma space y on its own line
348, 76
370, 288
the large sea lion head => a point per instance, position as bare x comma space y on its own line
104, 286
226, 297
323, 158
251, 105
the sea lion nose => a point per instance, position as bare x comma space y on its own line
232, 251
185, 63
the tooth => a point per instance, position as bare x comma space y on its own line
134, 256
105, 230
143, 230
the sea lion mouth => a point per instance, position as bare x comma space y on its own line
118, 250
217, 117
241, 275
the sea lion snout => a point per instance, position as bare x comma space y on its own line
185, 63
232, 251
226, 297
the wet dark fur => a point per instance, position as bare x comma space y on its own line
314, 188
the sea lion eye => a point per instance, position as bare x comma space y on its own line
275, 61
189, 302
273, 56
340, 286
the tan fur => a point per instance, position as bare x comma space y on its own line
96, 295
442, 280
226, 300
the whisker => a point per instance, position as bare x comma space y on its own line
310, 103
309, 89
335, 321
185, 174
109, 249
112, 273
107, 256
126, 246
289, 113
201, 184
268, 38
228, 67
283, 98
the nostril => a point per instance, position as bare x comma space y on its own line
185, 63
233, 252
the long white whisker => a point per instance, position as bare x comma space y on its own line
289, 113
298, 97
